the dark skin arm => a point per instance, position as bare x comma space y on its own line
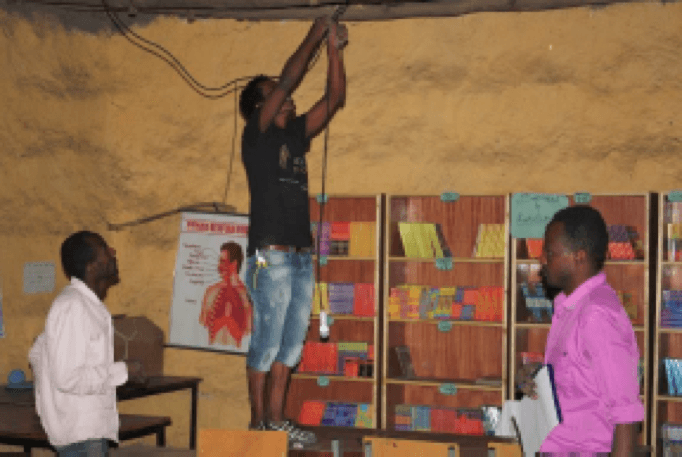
322, 112
624, 436
292, 73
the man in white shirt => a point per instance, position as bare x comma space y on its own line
73, 359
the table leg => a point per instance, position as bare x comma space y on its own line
161, 437
193, 418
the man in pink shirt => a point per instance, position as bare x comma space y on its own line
591, 344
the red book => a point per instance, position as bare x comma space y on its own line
340, 231
311, 412
363, 300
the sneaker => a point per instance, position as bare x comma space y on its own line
296, 434
259, 427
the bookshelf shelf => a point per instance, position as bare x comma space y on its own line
669, 398
454, 260
345, 317
531, 316
437, 383
527, 325
664, 330
425, 300
350, 244
450, 321
331, 377
346, 258
607, 263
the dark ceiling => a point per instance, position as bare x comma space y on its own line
356, 10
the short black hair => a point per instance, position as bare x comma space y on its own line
251, 96
77, 251
585, 229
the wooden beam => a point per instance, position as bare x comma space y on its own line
358, 10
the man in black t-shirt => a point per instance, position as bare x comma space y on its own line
279, 265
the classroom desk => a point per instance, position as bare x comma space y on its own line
156, 385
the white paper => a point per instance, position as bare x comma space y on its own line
534, 419
39, 277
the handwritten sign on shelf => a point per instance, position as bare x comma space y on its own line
530, 213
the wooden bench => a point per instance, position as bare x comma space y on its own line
20, 426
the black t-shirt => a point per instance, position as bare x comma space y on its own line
278, 183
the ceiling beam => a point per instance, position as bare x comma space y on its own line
362, 10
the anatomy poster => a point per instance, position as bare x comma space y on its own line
211, 308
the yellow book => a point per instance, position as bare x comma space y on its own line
434, 242
321, 291
408, 238
422, 240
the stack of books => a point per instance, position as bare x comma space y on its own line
421, 418
624, 243
671, 439
347, 239
490, 241
448, 303
671, 309
344, 298
673, 374
674, 242
423, 240
336, 414
348, 358
536, 302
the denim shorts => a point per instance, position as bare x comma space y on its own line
88, 448
282, 296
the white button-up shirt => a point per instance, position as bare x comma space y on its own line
74, 369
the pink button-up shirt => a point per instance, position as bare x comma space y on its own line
593, 350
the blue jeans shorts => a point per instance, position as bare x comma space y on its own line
88, 448
282, 296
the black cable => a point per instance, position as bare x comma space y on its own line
234, 141
217, 207
171, 60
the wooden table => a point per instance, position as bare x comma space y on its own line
20, 426
156, 385
346, 442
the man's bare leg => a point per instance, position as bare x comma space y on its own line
278, 388
257, 395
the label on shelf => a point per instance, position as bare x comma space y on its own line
322, 381
322, 198
448, 389
531, 212
449, 197
582, 197
675, 196
444, 326
444, 263
330, 320
323, 260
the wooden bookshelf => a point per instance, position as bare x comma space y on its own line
450, 354
667, 341
335, 268
529, 334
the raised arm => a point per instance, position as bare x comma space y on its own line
292, 73
322, 112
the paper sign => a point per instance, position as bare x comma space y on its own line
322, 381
448, 389
38, 277
675, 196
530, 213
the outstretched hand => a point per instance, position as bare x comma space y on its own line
338, 35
